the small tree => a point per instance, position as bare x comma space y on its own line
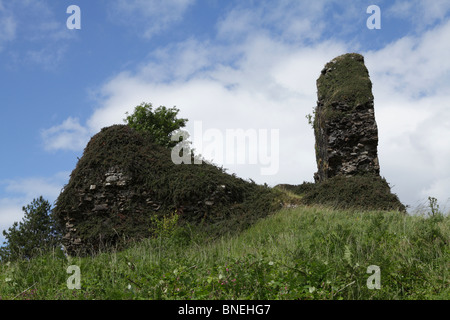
35, 234
161, 123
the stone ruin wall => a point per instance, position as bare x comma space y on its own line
346, 133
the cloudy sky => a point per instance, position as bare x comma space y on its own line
227, 65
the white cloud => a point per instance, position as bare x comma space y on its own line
20, 192
265, 81
8, 26
10, 212
260, 92
410, 82
180, 61
148, 17
37, 22
414, 65
421, 13
41, 35
47, 57
439, 190
30, 188
70, 135
287, 20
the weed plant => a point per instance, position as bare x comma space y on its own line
302, 253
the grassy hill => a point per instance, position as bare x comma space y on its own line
305, 252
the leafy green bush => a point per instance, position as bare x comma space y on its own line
161, 123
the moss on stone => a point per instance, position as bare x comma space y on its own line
344, 123
359, 192
200, 193
344, 79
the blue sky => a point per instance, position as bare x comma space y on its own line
228, 64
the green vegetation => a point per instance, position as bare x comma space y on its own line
33, 235
346, 81
343, 86
161, 123
202, 194
302, 253
216, 236
359, 192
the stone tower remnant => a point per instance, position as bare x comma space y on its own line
344, 124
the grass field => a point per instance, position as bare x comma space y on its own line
307, 252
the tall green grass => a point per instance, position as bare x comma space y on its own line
301, 253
